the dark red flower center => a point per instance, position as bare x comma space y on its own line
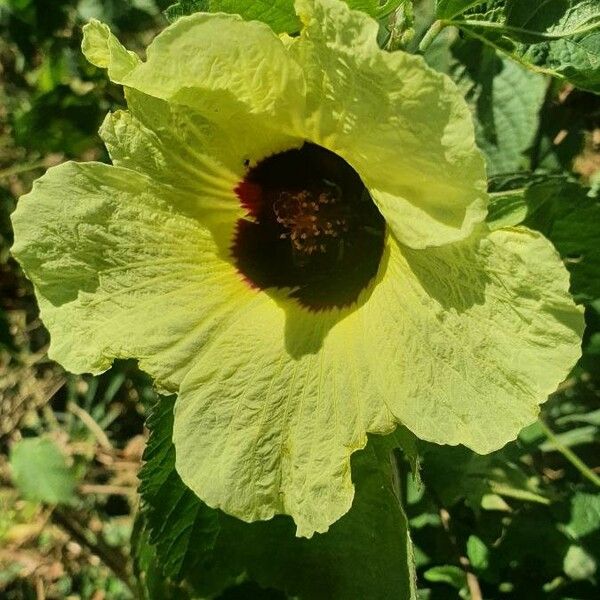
312, 227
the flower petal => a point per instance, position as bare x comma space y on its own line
178, 146
267, 419
468, 339
216, 63
118, 273
460, 344
217, 110
405, 128
104, 50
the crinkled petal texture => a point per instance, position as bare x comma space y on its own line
233, 80
403, 127
119, 271
458, 341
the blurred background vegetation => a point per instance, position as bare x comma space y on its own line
521, 523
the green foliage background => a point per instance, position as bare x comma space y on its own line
523, 522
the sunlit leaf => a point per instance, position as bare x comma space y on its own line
566, 214
40, 471
560, 37
506, 101
447, 9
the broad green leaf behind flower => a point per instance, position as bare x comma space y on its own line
181, 8
279, 15
446, 9
182, 537
559, 38
506, 100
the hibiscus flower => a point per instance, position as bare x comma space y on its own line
292, 239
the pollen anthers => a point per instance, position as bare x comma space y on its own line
311, 218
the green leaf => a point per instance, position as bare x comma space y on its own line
278, 14
456, 472
560, 37
185, 7
449, 574
564, 213
584, 527
373, 534
508, 203
507, 209
506, 101
585, 516
151, 583
568, 216
579, 564
40, 471
478, 553
183, 528
448, 9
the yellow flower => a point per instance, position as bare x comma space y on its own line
292, 239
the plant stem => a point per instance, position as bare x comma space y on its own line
17, 169
570, 455
89, 422
431, 34
502, 28
399, 478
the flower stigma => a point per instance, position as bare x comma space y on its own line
311, 227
